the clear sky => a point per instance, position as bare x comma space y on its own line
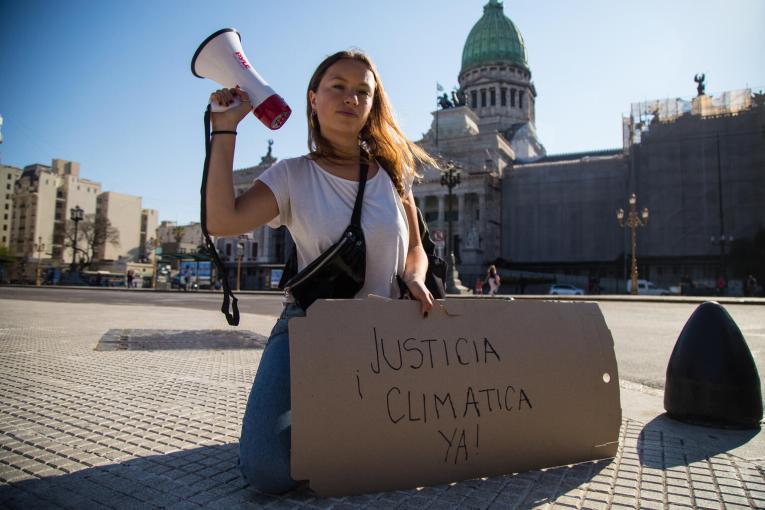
108, 83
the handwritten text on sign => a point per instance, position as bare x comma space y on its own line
384, 399
400, 355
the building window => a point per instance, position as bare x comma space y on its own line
512, 97
503, 96
483, 97
254, 248
8, 186
4, 240
474, 98
493, 97
228, 250
520, 99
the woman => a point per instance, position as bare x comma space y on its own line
493, 278
314, 196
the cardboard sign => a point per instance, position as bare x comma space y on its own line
385, 399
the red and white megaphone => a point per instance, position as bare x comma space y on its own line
221, 58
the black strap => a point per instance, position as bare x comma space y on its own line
363, 171
228, 296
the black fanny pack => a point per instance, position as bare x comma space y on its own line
338, 273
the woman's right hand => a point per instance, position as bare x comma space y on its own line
229, 119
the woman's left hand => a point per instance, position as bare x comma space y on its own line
418, 291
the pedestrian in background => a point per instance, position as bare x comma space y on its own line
494, 280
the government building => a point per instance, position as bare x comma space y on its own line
697, 165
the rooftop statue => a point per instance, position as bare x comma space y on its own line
699, 78
444, 103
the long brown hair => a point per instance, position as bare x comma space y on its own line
381, 137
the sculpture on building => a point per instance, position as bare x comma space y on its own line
268, 159
443, 102
458, 97
700, 78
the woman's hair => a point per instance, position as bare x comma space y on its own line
380, 137
492, 270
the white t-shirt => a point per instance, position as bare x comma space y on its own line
316, 207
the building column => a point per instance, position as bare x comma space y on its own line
441, 218
264, 246
461, 223
483, 223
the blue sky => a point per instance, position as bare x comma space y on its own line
108, 84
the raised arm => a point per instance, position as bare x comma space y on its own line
228, 215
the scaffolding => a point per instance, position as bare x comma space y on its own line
644, 113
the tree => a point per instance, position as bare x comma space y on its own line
95, 232
7, 261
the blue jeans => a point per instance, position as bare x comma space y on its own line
264, 445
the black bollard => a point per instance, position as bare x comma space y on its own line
711, 377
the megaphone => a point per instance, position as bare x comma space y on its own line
221, 58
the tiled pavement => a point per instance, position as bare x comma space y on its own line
81, 428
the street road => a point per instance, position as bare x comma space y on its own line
644, 332
266, 304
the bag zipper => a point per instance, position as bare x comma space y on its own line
345, 238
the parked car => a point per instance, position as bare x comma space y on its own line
562, 289
646, 288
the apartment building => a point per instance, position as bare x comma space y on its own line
8, 177
124, 213
42, 199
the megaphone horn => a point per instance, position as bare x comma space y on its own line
221, 58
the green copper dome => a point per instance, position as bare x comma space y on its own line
493, 39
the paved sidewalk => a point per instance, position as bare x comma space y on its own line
120, 428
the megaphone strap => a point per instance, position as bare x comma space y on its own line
229, 300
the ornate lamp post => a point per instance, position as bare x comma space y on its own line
39, 247
77, 214
634, 220
451, 178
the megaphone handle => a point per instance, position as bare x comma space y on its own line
217, 108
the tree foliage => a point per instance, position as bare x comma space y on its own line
92, 232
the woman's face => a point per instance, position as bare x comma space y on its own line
344, 98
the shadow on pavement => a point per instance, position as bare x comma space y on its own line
666, 443
209, 477
172, 339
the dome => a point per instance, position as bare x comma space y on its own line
494, 39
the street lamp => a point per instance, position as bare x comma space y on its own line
76, 215
634, 220
451, 178
39, 247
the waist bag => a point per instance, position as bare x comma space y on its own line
338, 273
